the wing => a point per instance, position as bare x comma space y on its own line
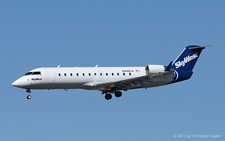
148, 80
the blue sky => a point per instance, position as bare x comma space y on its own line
111, 33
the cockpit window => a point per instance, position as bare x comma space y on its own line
34, 73
29, 73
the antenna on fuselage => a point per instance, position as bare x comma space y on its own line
96, 65
58, 66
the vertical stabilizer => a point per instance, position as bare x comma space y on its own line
188, 58
185, 62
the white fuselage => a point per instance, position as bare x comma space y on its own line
112, 80
83, 78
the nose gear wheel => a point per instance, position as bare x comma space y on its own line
28, 96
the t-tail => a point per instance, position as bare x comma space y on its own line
185, 62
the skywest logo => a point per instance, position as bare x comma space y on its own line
34, 79
186, 60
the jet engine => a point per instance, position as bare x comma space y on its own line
151, 69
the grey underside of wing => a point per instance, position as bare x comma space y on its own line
147, 81
134, 83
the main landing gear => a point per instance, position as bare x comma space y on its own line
118, 94
28, 96
108, 96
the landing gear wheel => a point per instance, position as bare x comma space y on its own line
29, 97
108, 96
28, 91
118, 94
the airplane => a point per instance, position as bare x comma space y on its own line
111, 80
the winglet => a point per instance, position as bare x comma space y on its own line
169, 66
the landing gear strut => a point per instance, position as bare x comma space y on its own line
28, 96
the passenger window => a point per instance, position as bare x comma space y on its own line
59, 74
77, 74
71, 74
89, 74
95, 74
117, 74
130, 74
100, 74
106, 74
112, 74
123, 74
64, 74
83, 74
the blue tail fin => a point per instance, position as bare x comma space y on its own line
187, 59
185, 62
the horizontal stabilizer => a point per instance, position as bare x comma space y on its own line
201, 47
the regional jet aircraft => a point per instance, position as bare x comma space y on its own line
111, 80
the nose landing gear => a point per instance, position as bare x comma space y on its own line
28, 96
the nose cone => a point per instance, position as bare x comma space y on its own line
16, 83
22, 83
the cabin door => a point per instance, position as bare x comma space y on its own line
51, 76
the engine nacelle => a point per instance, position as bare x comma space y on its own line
151, 69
